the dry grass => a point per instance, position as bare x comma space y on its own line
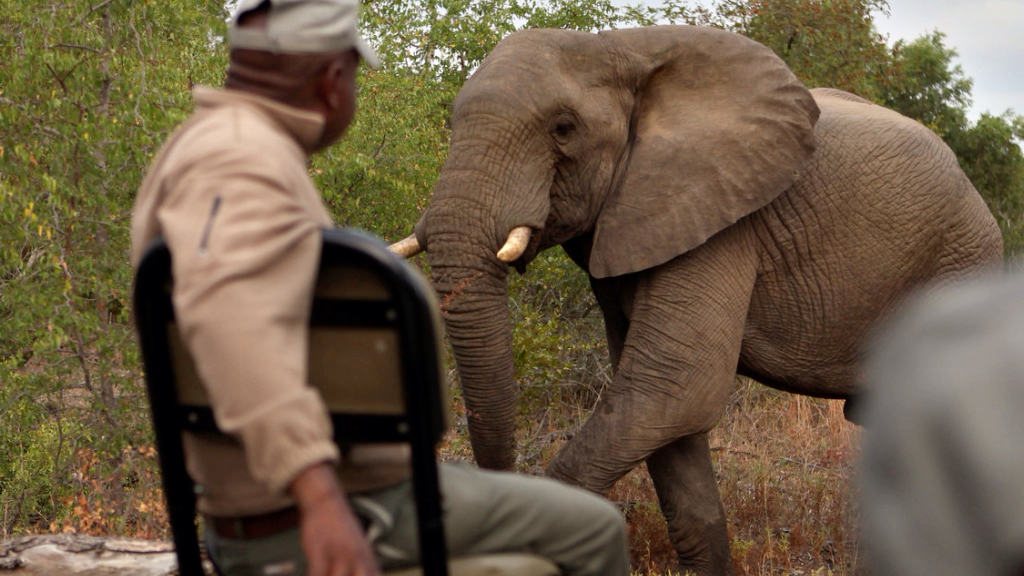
126, 501
785, 466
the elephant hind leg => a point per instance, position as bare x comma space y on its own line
684, 479
852, 409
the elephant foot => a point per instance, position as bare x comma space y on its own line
684, 479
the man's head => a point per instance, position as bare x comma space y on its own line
300, 52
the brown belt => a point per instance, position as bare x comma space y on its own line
248, 527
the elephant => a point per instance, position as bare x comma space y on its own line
730, 221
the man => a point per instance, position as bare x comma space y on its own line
231, 196
943, 455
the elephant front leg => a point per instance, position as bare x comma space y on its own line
675, 372
675, 334
637, 417
684, 479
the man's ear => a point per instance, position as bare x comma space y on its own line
330, 81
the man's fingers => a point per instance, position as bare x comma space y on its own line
340, 568
315, 565
349, 565
366, 569
372, 569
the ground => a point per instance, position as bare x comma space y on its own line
785, 467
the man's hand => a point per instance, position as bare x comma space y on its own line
331, 536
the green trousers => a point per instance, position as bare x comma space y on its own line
485, 512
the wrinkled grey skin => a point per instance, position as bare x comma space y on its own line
730, 220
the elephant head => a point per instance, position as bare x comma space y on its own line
637, 144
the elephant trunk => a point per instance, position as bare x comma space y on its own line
471, 285
480, 218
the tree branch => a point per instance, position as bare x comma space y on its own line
57, 78
99, 6
78, 46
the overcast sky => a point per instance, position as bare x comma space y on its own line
988, 35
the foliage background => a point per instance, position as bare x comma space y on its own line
90, 88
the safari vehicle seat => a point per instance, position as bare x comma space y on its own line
373, 356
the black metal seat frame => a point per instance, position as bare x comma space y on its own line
409, 309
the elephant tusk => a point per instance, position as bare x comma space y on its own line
407, 247
518, 239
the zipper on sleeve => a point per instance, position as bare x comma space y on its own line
205, 239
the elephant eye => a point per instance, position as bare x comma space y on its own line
564, 128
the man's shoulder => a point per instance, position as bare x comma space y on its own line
227, 140
235, 129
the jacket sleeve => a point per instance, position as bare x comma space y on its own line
245, 255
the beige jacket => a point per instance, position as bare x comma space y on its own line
231, 196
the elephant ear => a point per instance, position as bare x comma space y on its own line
721, 127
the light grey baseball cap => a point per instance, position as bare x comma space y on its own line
303, 27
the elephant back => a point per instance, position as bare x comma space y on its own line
882, 208
897, 176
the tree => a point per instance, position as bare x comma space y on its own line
990, 154
449, 38
929, 87
88, 91
829, 43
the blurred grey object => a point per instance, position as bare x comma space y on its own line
943, 453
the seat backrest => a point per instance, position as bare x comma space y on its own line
373, 355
